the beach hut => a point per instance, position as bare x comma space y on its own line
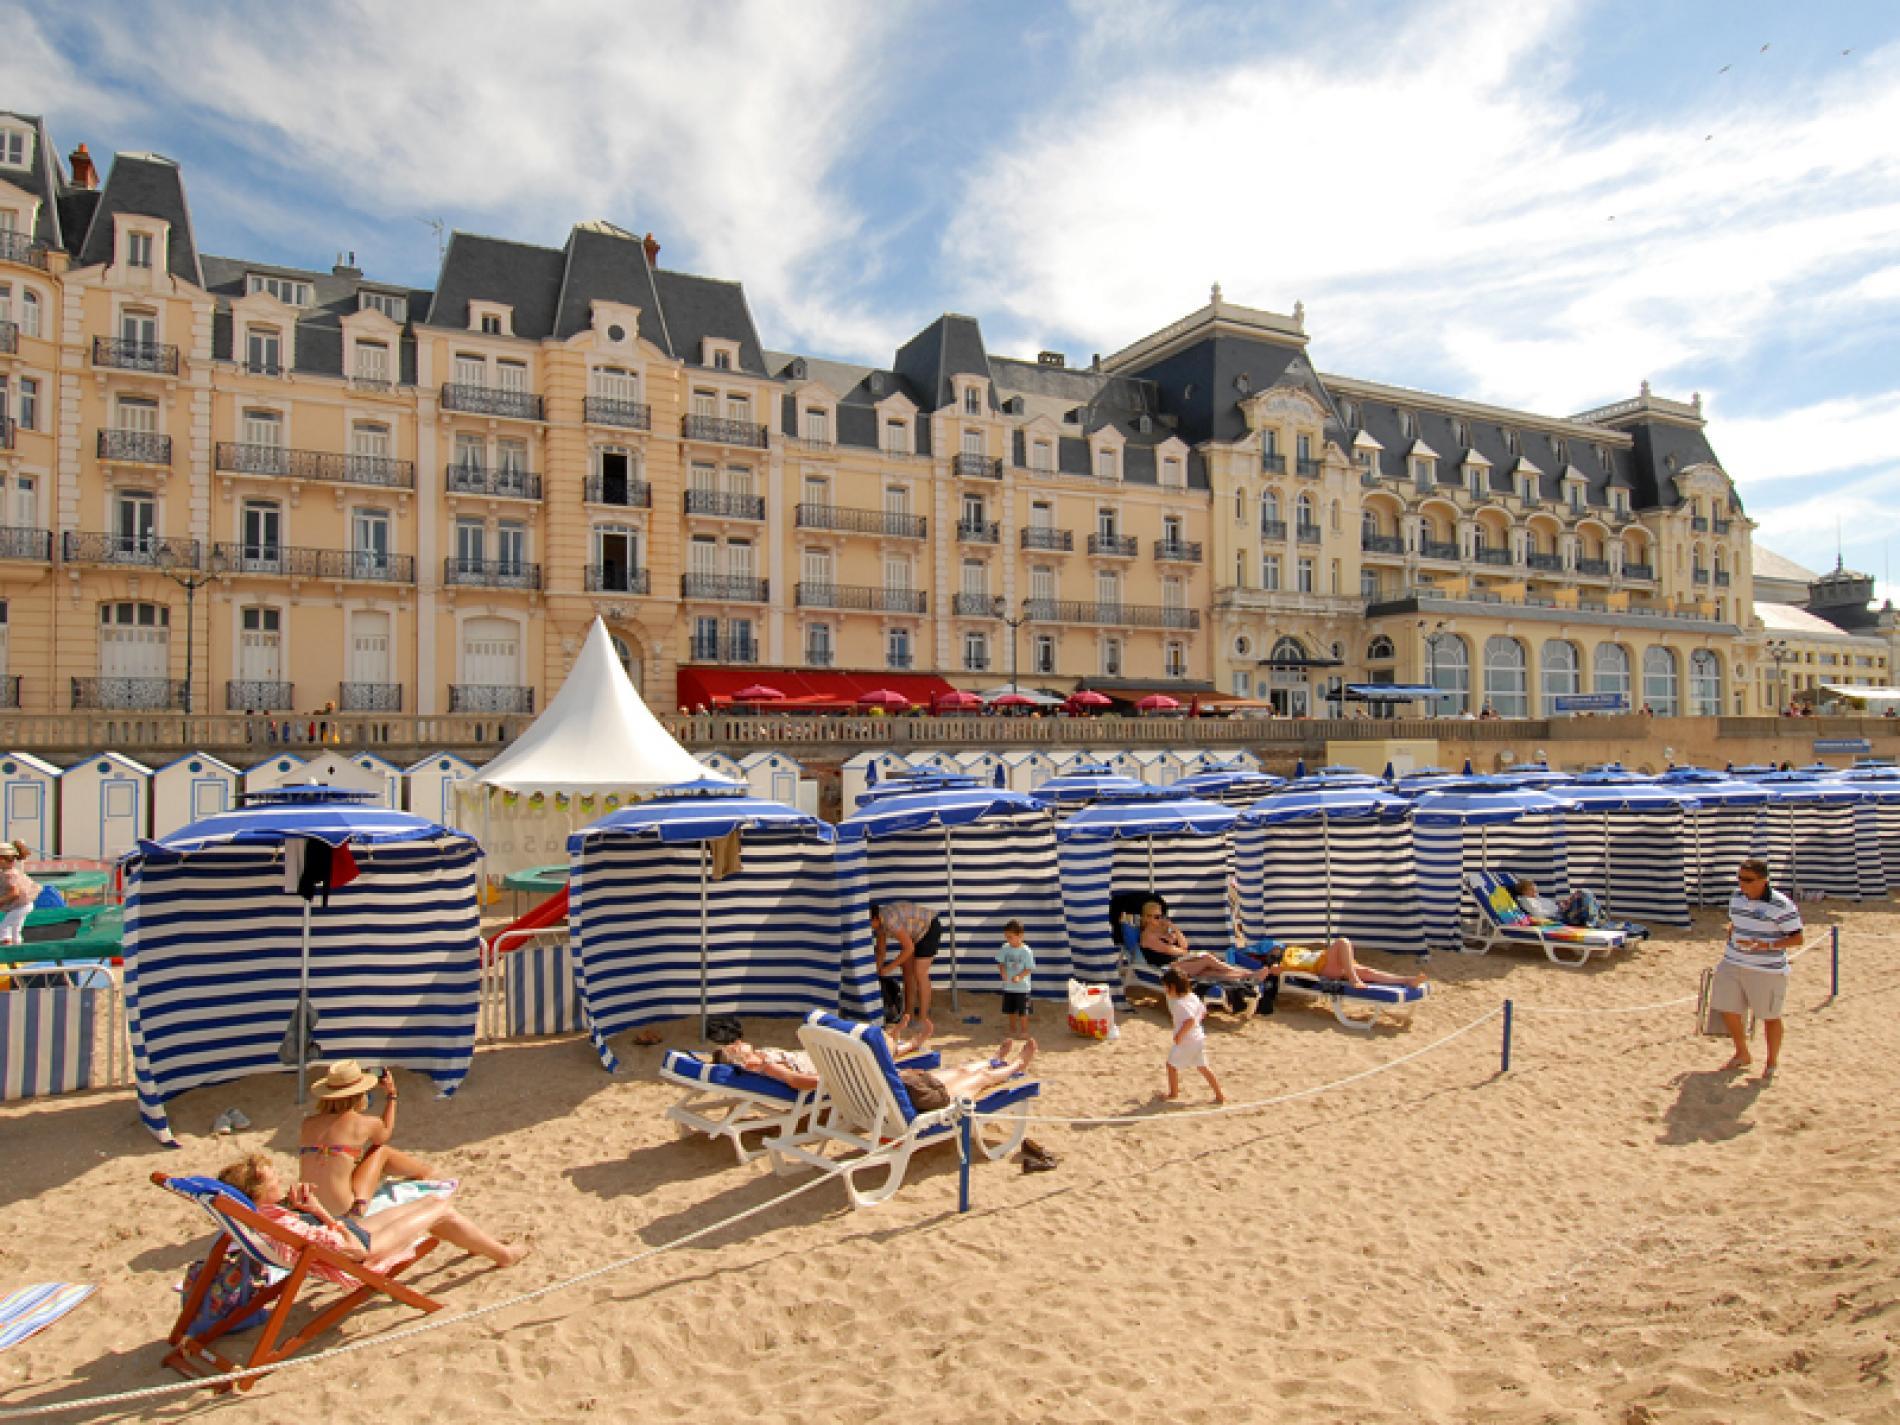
105, 806
1318, 861
720, 765
772, 776
984, 854
774, 920
219, 954
191, 789
865, 770
280, 770
29, 803
989, 768
333, 769
389, 772
1160, 767
1821, 837
1629, 843
1026, 770
1484, 824
1122, 764
1725, 825
429, 785
1061, 759
1882, 788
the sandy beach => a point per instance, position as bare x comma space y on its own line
1614, 1231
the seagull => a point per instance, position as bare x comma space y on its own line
1764, 49
1707, 137
1725, 69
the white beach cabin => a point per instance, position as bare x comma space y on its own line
273, 772
1159, 767
778, 778
429, 785
857, 774
105, 806
29, 802
1027, 770
191, 789
389, 772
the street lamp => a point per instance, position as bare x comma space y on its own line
1779, 651
1436, 632
998, 610
191, 579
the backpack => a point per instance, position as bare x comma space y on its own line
237, 1282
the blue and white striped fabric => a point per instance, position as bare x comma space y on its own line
540, 996
1083, 784
1004, 868
683, 819
1883, 803
212, 948
1233, 788
32, 1309
47, 1040
788, 933
1149, 816
1534, 846
1634, 861
268, 823
1281, 871
1821, 836
1087, 870
1191, 874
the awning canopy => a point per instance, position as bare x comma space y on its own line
1391, 692
1872, 695
803, 687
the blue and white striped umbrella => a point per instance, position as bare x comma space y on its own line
1481, 801
1322, 799
913, 784
1087, 786
272, 823
1231, 787
1148, 816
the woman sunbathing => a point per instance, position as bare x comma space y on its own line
1580, 908
388, 1234
343, 1151
932, 1089
1335, 961
791, 1067
1162, 945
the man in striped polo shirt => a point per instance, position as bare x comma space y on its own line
1764, 925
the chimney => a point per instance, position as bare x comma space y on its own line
652, 245
346, 268
84, 174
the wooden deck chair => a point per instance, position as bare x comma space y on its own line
868, 1112
244, 1232
1501, 921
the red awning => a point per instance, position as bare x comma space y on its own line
807, 688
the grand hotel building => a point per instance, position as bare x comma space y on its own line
308, 486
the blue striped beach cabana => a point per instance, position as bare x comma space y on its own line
1629, 844
1882, 788
215, 949
1725, 825
1319, 861
985, 855
1483, 824
657, 937
1230, 786
1083, 783
1821, 835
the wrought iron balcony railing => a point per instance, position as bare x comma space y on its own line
20, 247
1382, 543
369, 697
1274, 461
9, 338
724, 432
1493, 556
1306, 466
1042, 537
1272, 529
1699, 523
979, 532
1111, 615
725, 505
10, 691
492, 401
1720, 526
610, 411
725, 650
144, 694
978, 467
122, 354
290, 562
1121, 546
1639, 571
1307, 533
135, 447
889, 523
504, 481
1545, 563
253, 695
1178, 551
864, 597
1594, 568
491, 573
20, 543
1721, 578
1368, 477
974, 606
617, 579
820, 655
1701, 576
622, 494
244, 458
725, 586
148, 550
1438, 548
899, 662
490, 698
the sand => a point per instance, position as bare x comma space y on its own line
1614, 1231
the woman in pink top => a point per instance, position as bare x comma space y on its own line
18, 891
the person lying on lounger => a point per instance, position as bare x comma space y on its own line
1579, 908
1163, 944
932, 1089
344, 1151
1333, 961
791, 1067
389, 1233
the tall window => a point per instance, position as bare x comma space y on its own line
138, 249
1561, 670
264, 428
897, 652
818, 428
135, 521
1174, 660
471, 544
818, 650
1269, 512
263, 528
1270, 572
1504, 677
1610, 670
1304, 572
264, 351
897, 437
1105, 465
1705, 684
372, 363
1042, 456
976, 651
1042, 584
1659, 680
1448, 668
369, 540
1111, 657
511, 546
1042, 653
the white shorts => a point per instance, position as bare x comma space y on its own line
1191, 1055
1740, 989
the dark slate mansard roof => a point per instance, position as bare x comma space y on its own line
145, 185
45, 180
318, 344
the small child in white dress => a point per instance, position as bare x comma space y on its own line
1189, 1048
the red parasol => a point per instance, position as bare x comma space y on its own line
883, 698
1157, 702
1089, 698
958, 699
1012, 700
758, 693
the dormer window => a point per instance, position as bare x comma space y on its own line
287, 290
1408, 427
1474, 481
1422, 472
1173, 475
897, 437
16, 148
722, 361
1105, 466
1560, 449
972, 400
491, 325
264, 351
1348, 413
817, 427
1620, 501
138, 249
1512, 443
388, 303
491, 318
1460, 433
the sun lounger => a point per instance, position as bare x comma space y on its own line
243, 1231
727, 1103
1138, 974
868, 1113
1340, 995
1501, 921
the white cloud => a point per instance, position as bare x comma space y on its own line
1844, 434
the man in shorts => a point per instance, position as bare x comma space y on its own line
1764, 925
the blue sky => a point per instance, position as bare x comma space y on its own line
1540, 203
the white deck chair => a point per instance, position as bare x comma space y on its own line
868, 1112
1568, 945
1400, 1001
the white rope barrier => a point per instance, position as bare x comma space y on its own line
1675, 1003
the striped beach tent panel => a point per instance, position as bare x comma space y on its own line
46, 1040
1191, 873
1534, 846
1884, 815
1438, 851
211, 965
1005, 868
541, 997
786, 934
1087, 868
1870, 851
1281, 871
1644, 875
1822, 846
1719, 838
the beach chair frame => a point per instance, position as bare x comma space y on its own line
242, 1231
1570, 946
1398, 1001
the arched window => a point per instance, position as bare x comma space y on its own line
1561, 671
30, 312
1368, 526
1660, 693
1610, 671
1269, 511
1705, 684
1504, 677
1448, 667
1303, 512
1380, 650
1287, 649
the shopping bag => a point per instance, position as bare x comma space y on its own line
1092, 1011
1709, 1022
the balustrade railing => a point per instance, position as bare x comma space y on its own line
20, 247
1178, 551
492, 401
1042, 537
505, 481
977, 467
20, 543
121, 354
150, 550
1121, 546
979, 532
610, 411
382, 471
135, 447
891, 524
491, 573
725, 505
617, 579
290, 561
865, 597
723, 431
1438, 548
1112, 615
724, 586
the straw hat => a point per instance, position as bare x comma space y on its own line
344, 1079
8, 851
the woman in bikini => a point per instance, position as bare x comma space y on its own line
1162, 945
1335, 961
343, 1151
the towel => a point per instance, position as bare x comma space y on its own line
33, 1308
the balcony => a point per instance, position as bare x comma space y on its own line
1639, 571
10, 691
20, 247
1701, 576
240, 458
1545, 563
1111, 615
1307, 533
491, 401
979, 532
32, 544
1594, 568
128, 694
1368, 478
723, 432
1307, 467
1438, 549
1042, 537
252, 695
289, 562
504, 482
974, 606
369, 697
725, 586
725, 506
970, 466
146, 550
1178, 551
9, 338
617, 579
1274, 461
1493, 556
618, 493
151, 357
724, 650
1699, 523
1118, 546
609, 411
490, 573
899, 662
490, 698
976, 660
1273, 529
890, 524
135, 447
1721, 526
866, 598
820, 657
1721, 578
1382, 544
